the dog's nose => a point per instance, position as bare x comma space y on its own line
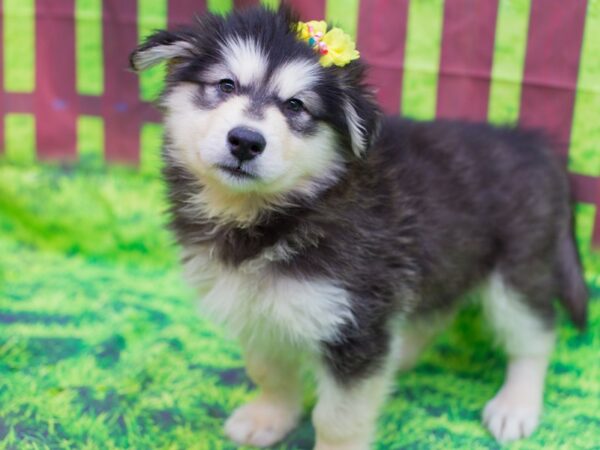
245, 143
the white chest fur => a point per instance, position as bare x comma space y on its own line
257, 304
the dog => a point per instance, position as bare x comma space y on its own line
325, 234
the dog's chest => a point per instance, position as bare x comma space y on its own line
256, 303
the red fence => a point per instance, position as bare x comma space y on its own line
550, 74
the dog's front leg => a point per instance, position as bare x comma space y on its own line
345, 416
276, 410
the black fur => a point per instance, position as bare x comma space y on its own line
428, 213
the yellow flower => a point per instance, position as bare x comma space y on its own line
340, 49
335, 46
318, 26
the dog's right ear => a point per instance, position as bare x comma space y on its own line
161, 46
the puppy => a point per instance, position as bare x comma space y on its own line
323, 233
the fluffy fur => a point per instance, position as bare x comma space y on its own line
341, 241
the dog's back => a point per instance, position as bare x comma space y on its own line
484, 198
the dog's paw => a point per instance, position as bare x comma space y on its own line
509, 418
261, 423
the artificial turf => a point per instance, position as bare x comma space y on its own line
101, 346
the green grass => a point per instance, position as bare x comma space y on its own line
19, 54
270, 3
19, 140
584, 154
219, 6
90, 139
344, 14
422, 58
88, 47
150, 141
101, 346
152, 16
509, 60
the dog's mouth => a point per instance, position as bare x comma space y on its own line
236, 172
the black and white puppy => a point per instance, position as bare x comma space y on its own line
323, 233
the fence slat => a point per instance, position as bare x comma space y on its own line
55, 99
551, 67
182, 12
18, 103
309, 9
121, 106
381, 39
466, 58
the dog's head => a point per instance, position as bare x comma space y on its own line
251, 112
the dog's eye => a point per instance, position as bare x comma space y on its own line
227, 86
294, 105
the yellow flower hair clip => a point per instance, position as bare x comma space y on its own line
335, 47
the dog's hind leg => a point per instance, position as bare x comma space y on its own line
276, 411
524, 327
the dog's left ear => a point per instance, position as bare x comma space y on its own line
162, 46
361, 111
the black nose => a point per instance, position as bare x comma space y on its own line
245, 143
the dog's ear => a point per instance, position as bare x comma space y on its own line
362, 119
361, 111
162, 46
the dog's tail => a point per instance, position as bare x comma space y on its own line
573, 290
